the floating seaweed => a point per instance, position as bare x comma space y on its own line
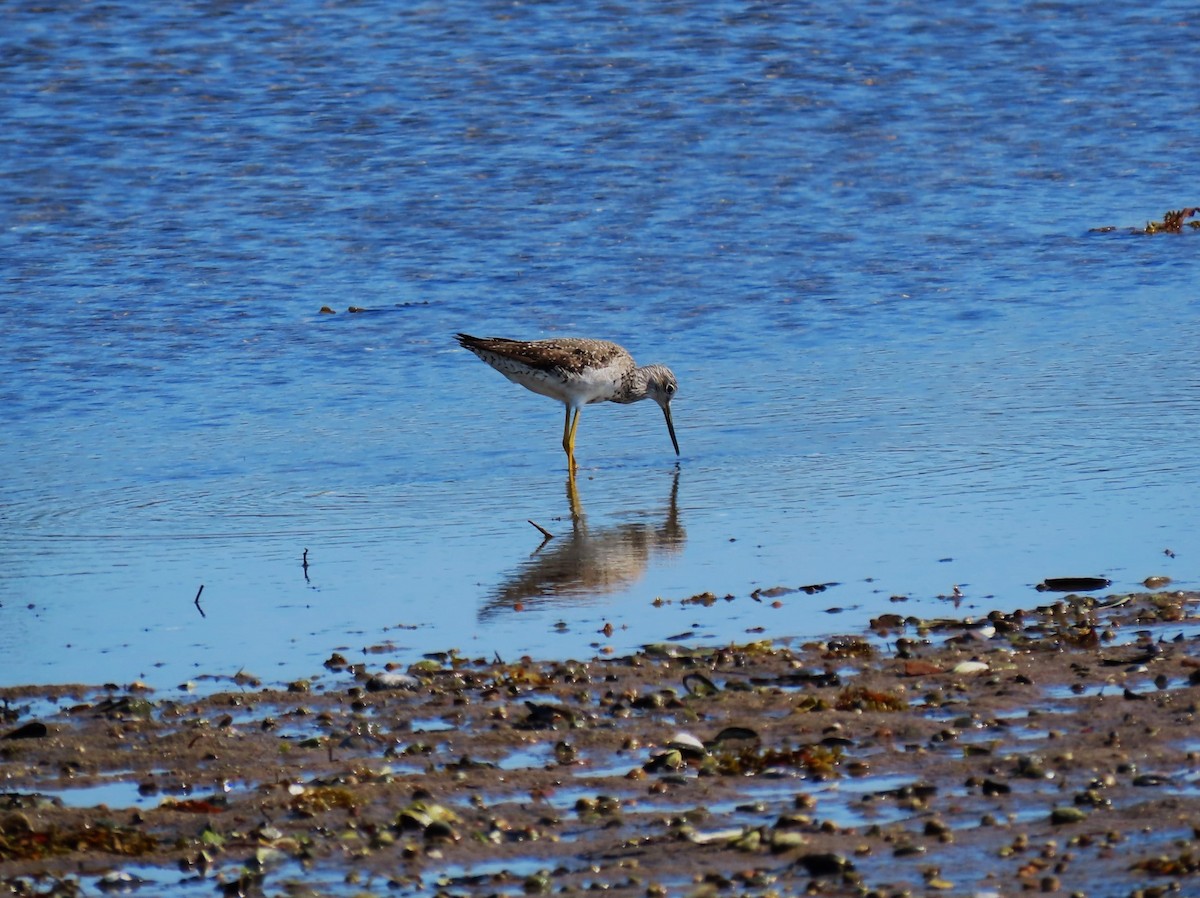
1173, 222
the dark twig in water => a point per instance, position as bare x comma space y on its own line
546, 533
196, 601
304, 565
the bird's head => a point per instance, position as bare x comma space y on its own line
661, 386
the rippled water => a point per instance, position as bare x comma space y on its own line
862, 237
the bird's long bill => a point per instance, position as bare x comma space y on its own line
670, 427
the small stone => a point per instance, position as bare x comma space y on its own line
1064, 815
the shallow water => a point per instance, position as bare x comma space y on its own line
861, 237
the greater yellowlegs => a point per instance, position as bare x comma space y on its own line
575, 372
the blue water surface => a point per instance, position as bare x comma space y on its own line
865, 236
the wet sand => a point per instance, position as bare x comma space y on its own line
1057, 755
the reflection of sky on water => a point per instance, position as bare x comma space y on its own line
905, 363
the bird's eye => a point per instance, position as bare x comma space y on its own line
670, 389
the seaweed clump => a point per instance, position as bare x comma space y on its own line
20, 841
1173, 222
818, 760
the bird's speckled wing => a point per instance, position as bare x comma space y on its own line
567, 354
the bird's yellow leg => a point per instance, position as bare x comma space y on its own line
567, 442
569, 437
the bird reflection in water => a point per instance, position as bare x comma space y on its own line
589, 562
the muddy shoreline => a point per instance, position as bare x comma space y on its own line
1052, 750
